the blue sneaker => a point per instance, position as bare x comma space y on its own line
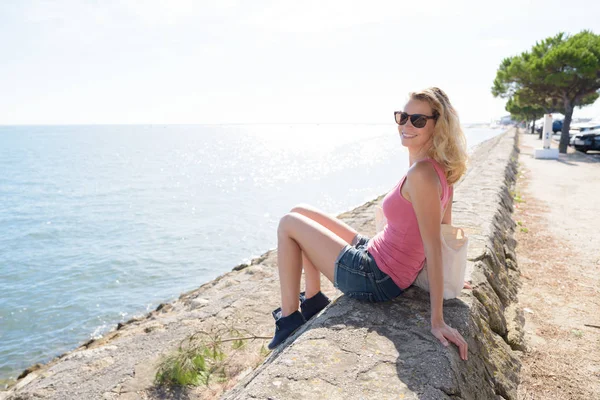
312, 306
285, 326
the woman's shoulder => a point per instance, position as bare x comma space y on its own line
425, 167
425, 175
423, 172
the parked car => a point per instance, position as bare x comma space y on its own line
586, 139
557, 125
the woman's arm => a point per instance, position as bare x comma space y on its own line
424, 190
423, 187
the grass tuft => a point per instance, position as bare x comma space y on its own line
201, 358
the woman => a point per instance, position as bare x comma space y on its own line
381, 268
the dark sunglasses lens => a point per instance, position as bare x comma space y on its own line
401, 118
418, 121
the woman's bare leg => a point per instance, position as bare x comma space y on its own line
312, 276
296, 234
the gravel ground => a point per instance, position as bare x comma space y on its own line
558, 213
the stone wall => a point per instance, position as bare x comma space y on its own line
352, 350
356, 350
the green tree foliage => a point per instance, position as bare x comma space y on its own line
521, 111
558, 74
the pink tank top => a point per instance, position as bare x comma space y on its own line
398, 248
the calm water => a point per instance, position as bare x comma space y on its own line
100, 223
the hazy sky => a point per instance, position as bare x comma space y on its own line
226, 61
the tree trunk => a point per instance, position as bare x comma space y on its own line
564, 135
533, 126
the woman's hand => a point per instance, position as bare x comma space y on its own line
444, 333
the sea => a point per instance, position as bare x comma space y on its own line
100, 223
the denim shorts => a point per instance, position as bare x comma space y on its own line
356, 274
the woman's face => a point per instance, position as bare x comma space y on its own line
412, 137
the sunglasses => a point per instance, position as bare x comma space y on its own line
417, 120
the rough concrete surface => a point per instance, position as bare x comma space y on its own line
353, 349
358, 350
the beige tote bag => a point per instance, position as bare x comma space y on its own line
454, 257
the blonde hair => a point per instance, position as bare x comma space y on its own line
449, 142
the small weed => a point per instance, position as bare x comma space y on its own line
577, 333
525, 230
264, 351
201, 358
518, 199
516, 196
520, 223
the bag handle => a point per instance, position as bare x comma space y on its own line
445, 208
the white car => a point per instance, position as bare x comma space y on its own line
587, 139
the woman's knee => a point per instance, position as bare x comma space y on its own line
302, 208
285, 221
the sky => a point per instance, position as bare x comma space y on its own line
229, 61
